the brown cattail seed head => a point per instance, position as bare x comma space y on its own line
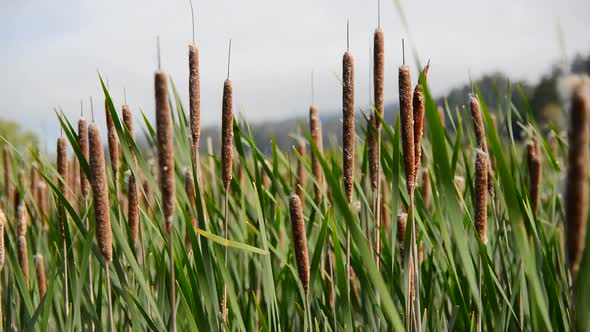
534, 165
481, 194
83, 143
301, 170
165, 148
299, 241
112, 140
478, 126
418, 106
133, 207
41, 278
315, 127
23, 257
98, 181
576, 196
348, 130
21, 219
194, 101
378, 73
407, 125
189, 187
2, 251
227, 134
62, 169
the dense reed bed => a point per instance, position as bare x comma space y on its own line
454, 225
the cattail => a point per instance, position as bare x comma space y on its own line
21, 220
132, 190
112, 140
189, 187
348, 130
194, 101
534, 165
300, 170
2, 252
43, 202
98, 181
165, 148
40, 271
576, 195
299, 241
34, 178
478, 126
315, 127
62, 169
407, 125
6, 169
378, 74
23, 258
481, 194
83, 143
227, 134
442, 116
426, 189
418, 108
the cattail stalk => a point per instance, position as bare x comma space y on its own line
315, 127
40, 272
62, 169
576, 192
102, 218
189, 187
301, 171
227, 132
534, 166
167, 176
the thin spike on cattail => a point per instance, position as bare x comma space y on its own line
301, 170
576, 192
407, 126
299, 241
98, 182
534, 166
62, 169
227, 134
165, 148
481, 194
194, 101
23, 257
315, 127
40, 272
348, 130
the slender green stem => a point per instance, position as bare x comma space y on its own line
172, 282
110, 299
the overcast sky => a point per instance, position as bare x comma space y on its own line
51, 50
